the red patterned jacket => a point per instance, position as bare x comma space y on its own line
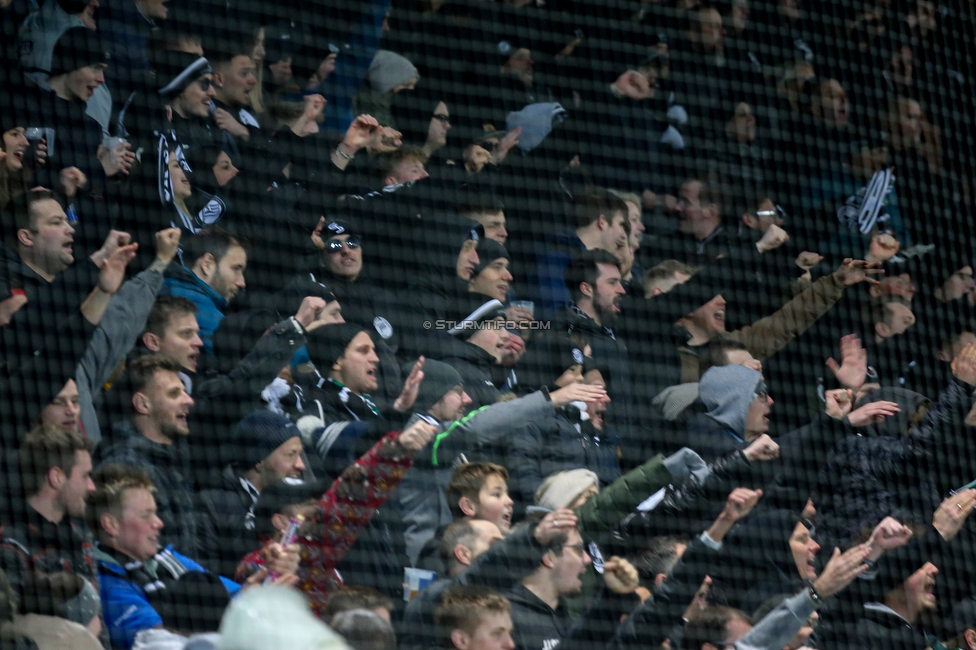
338, 518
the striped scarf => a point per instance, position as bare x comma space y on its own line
154, 574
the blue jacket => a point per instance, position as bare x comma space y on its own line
352, 65
182, 282
547, 288
125, 605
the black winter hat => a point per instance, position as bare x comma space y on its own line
488, 251
339, 226
439, 378
260, 433
77, 48
327, 344
546, 358
177, 70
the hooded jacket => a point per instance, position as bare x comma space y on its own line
169, 469
40, 32
727, 392
763, 564
479, 372
184, 283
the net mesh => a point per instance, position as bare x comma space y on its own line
397, 284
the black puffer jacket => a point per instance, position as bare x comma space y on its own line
227, 523
561, 443
894, 467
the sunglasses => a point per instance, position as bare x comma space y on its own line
443, 119
335, 245
205, 84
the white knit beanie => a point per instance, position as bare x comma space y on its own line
562, 488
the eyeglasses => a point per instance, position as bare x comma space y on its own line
761, 391
335, 245
443, 119
579, 548
205, 84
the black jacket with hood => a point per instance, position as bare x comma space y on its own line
902, 466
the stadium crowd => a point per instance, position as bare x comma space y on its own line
487, 324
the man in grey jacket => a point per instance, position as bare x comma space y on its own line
441, 401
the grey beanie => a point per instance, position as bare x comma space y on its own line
388, 70
727, 392
260, 433
439, 378
562, 488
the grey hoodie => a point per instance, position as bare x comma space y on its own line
727, 392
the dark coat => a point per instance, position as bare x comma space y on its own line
608, 348
30, 543
539, 627
561, 443
883, 629
227, 523
479, 372
169, 469
891, 468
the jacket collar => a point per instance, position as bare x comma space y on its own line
579, 318
182, 274
520, 594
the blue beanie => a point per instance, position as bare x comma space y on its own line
727, 392
260, 433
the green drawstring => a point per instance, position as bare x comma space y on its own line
447, 432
